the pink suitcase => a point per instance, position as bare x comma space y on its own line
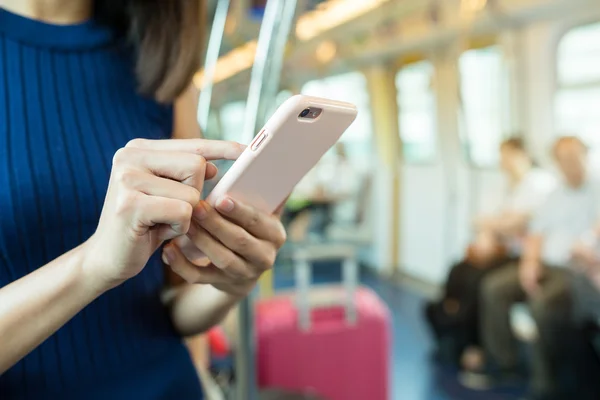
332, 341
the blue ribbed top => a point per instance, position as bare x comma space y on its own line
68, 101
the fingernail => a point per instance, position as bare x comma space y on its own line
211, 171
200, 211
225, 204
168, 255
234, 151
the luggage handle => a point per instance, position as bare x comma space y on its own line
303, 269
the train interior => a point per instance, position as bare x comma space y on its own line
441, 86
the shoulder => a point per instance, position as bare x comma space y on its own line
185, 118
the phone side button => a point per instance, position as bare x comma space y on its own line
258, 141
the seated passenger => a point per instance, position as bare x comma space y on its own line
498, 238
327, 191
542, 277
454, 318
526, 189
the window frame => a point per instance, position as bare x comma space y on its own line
223, 125
560, 85
371, 134
503, 108
435, 157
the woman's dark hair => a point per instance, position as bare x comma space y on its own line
167, 36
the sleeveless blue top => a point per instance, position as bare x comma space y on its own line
68, 101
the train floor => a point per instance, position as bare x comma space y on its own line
415, 376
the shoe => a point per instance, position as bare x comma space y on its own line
489, 378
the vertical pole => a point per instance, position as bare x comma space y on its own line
210, 63
245, 355
447, 83
270, 93
272, 80
273, 35
244, 362
260, 70
384, 109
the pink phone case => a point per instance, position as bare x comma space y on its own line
283, 152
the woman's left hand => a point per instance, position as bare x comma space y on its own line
240, 242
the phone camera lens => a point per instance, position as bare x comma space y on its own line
304, 113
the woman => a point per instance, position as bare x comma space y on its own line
88, 200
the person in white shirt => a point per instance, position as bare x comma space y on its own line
542, 277
526, 189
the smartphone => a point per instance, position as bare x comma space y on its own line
291, 143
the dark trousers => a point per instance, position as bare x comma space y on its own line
550, 307
456, 328
581, 358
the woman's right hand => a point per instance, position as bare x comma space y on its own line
154, 186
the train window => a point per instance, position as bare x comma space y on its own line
351, 87
483, 104
213, 128
417, 116
578, 95
232, 116
280, 98
232, 121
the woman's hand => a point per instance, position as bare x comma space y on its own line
153, 189
240, 242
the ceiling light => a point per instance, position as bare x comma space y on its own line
232, 63
331, 14
326, 52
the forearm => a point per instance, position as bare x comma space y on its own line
37, 305
197, 308
532, 251
506, 224
199, 350
484, 223
512, 223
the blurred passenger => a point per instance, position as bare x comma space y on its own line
526, 189
542, 278
454, 319
327, 192
498, 240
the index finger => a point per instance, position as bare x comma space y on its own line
209, 149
